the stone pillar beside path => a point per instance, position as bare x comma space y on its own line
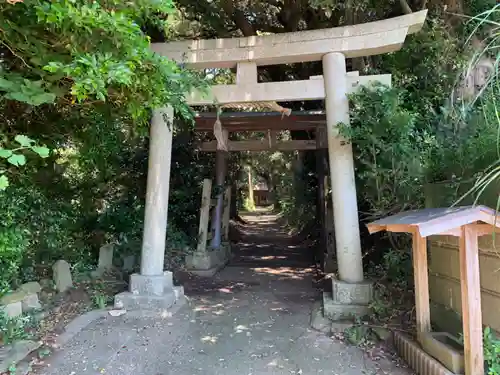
206, 260
351, 295
153, 288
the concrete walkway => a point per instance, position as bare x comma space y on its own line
252, 318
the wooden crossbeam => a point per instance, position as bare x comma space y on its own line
261, 145
289, 91
262, 124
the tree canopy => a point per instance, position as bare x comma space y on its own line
78, 52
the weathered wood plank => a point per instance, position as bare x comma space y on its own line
261, 145
471, 301
421, 276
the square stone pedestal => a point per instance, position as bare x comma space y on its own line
151, 293
348, 301
207, 263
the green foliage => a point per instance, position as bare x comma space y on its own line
491, 352
15, 87
82, 78
469, 148
13, 242
100, 300
14, 157
393, 277
62, 51
248, 205
427, 67
14, 328
387, 149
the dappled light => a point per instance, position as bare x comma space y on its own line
285, 272
241, 328
209, 339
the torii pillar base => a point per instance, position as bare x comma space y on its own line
207, 263
150, 293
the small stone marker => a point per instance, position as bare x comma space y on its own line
12, 354
31, 288
105, 257
30, 303
13, 309
62, 275
129, 263
22, 300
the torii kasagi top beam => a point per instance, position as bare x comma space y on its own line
366, 39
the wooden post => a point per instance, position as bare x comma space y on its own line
471, 301
204, 215
226, 214
421, 278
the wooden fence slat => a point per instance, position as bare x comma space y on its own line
471, 301
421, 275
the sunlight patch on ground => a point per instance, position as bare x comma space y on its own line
268, 257
166, 314
209, 339
240, 328
202, 308
285, 272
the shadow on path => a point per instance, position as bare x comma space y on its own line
266, 257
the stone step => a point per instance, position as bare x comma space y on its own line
446, 348
352, 293
338, 311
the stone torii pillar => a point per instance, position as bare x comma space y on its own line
220, 179
345, 205
153, 288
351, 295
205, 261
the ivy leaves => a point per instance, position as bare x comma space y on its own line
15, 87
13, 156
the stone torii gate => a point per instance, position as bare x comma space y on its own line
152, 288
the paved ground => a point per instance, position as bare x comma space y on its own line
253, 318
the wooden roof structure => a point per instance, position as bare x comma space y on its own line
467, 223
261, 121
266, 122
435, 221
